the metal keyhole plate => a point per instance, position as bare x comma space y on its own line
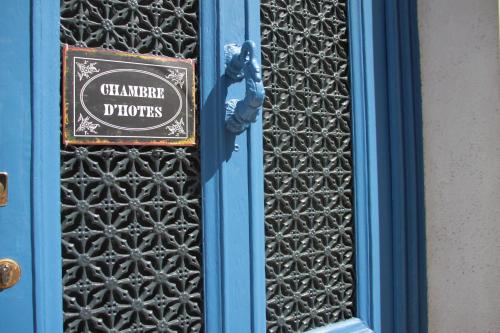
10, 273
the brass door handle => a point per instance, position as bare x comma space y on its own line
3, 188
10, 273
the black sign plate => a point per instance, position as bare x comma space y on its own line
112, 97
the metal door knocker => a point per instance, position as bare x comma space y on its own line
241, 63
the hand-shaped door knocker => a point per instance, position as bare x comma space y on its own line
242, 64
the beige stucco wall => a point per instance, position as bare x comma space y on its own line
461, 117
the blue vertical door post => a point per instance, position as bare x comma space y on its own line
232, 176
46, 218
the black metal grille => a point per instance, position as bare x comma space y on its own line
308, 164
130, 215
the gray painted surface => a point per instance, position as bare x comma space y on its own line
461, 116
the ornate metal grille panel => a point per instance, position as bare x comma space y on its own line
130, 215
308, 164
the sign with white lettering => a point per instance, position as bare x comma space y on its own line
113, 97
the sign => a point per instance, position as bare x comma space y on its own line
113, 97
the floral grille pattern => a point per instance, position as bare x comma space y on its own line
308, 164
130, 215
160, 27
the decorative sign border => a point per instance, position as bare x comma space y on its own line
82, 66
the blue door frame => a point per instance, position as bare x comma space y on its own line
391, 295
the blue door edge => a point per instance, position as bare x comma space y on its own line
408, 215
387, 144
46, 218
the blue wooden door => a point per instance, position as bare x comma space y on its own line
15, 160
236, 226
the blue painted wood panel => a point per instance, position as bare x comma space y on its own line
16, 303
46, 218
232, 180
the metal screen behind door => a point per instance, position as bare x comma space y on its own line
130, 215
308, 164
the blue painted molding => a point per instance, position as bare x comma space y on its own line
390, 244
46, 218
369, 170
256, 181
405, 124
211, 153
